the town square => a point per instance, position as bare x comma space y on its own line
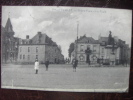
62, 78
58, 48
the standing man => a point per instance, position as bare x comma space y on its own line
74, 63
36, 66
46, 64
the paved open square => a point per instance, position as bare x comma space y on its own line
62, 78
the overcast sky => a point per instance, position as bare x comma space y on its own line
60, 23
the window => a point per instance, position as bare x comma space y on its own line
20, 56
94, 48
36, 49
28, 57
88, 46
102, 50
81, 47
28, 49
36, 56
23, 56
20, 49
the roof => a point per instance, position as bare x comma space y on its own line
39, 38
85, 39
103, 39
8, 26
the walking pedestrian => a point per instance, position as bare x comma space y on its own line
47, 64
36, 66
74, 63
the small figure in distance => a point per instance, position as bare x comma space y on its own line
47, 64
36, 66
74, 63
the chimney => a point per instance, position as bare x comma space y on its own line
39, 33
39, 39
27, 36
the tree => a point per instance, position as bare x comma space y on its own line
71, 48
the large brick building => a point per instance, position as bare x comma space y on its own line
9, 43
106, 50
40, 47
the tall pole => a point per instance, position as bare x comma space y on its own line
77, 30
77, 41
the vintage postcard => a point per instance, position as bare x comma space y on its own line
77, 49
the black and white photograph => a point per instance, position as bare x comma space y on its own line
76, 49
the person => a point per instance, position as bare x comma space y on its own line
74, 63
36, 66
46, 64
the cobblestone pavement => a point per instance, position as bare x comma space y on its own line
59, 77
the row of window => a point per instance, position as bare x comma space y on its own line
28, 49
28, 56
94, 48
88, 46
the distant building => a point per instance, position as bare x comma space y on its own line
105, 50
9, 43
40, 47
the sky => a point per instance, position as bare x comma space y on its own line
60, 23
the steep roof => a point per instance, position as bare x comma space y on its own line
8, 27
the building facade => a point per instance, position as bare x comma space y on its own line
40, 47
106, 50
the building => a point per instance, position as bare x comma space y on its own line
9, 43
82, 45
106, 50
40, 47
